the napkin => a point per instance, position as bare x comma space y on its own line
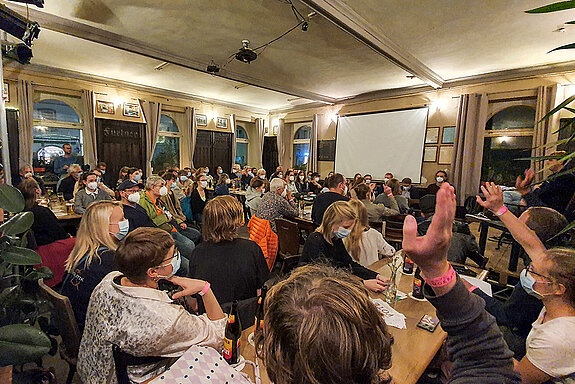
392, 317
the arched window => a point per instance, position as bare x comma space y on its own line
301, 141
242, 142
167, 151
508, 137
56, 123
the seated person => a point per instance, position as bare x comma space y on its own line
122, 175
88, 193
199, 198
222, 186
172, 182
128, 310
185, 183
102, 227
463, 244
235, 267
67, 184
247, 176
52, 242
387, 198
337, 185
171, 200
365, 244
133, 212
26, 172
315, 185
254, 194
135, 174
277, 203
334, 313
368, 180
376, 213
290, 182
326, 245
440, 178
408, 190
102, 185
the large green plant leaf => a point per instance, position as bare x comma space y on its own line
39, 273
560, 6
565, 102
11, 199
18, 224
566, 46
20, 256
21, 344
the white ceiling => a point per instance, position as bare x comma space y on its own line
453, 38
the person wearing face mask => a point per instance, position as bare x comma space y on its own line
223, 185
337, 185
184, 183
135, 174
254, 194
199, 198
376, 213
47, 237
102, 227
440, 178
326, 244
246, 176
130, 197
277, 174
302, 184
129, 309
174, 189
277, 203
88, 193
66, 185
315, 183
290, 182
408, 190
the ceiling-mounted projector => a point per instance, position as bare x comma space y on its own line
245, 54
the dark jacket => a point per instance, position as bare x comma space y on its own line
137, 217
196, 202
46, 227
555, 193
221, 190
463, 244
322, 202
67, 187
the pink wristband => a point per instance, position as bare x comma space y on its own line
206, 289
501, 211
442, 281
472, 288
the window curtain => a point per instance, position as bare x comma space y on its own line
468, 148
233, 124
152, 111
25, 122
260, 127
191, 124
546, 96
91, 146
284, 147
312, 160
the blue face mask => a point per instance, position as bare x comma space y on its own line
527, 282
342, 233
189, 174
124, 226
173, 185
98, 179
137, 177
183, 178
175, 262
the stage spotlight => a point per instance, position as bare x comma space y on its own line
18, 26
38, 3
304, 26
19, 52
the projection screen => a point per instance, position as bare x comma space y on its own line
384, 142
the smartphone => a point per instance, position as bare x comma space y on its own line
428, 322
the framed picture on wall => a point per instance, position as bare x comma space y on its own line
266, 130
222, 122
430, 154
448, 135
131, 110
6, 93
275, 130
201, 120
105, 107
432, 135
445, 155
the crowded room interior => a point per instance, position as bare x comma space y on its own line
287, 191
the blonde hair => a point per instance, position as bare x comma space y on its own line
221, 219
93, 233
563, 270
336, 213
354, 242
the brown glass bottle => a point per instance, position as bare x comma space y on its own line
233, 336
418, 285
259, 321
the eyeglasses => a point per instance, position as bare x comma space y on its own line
176, 255
532, 272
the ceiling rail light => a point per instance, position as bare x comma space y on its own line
38, 3
18, 26
246, 54
161, 66
19, 52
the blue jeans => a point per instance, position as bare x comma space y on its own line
191, 233
186, 247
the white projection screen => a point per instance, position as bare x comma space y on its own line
378, 143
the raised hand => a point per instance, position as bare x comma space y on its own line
429, 252
493, 197
523, 185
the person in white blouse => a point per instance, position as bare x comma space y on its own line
128, 310
365, 244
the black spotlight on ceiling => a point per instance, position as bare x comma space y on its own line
213, 67
245, 54
304, 26
38, 3
19, 52
18, 26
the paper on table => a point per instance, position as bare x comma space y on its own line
483, 285
390, 315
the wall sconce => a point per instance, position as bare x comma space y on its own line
212, 115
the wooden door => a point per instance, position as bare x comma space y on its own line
222, 153
13, 140
270, 156
121, 143
203, 150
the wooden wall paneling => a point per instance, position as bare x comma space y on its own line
222, 151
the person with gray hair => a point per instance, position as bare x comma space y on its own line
67, 185
26, 172
277, 203
185, 237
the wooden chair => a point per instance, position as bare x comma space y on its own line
288, 236
65, 321
393, 233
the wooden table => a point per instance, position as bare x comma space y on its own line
304, 220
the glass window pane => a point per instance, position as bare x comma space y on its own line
241, 133
301, 154
517, 117
55, 110
48, 142
242, 154
303, 133
567, 130
167, 124
166, 154
500, 155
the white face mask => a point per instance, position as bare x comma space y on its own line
92, 186
284, 193
385, 180
316, 179
302, 177
207, 171
345, 190
291, 178
439, 179
134, 198
367, 181
263, 177
263, 190
228, 181
203, 184
163, 191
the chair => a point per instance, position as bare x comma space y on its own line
479, 259
288, 235
394, 230
65, 321
123, 359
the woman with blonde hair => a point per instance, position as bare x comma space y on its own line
326, 244
102, 227
364, 243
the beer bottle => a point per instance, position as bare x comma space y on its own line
233, 336
418, 285
407, 264
260, 312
